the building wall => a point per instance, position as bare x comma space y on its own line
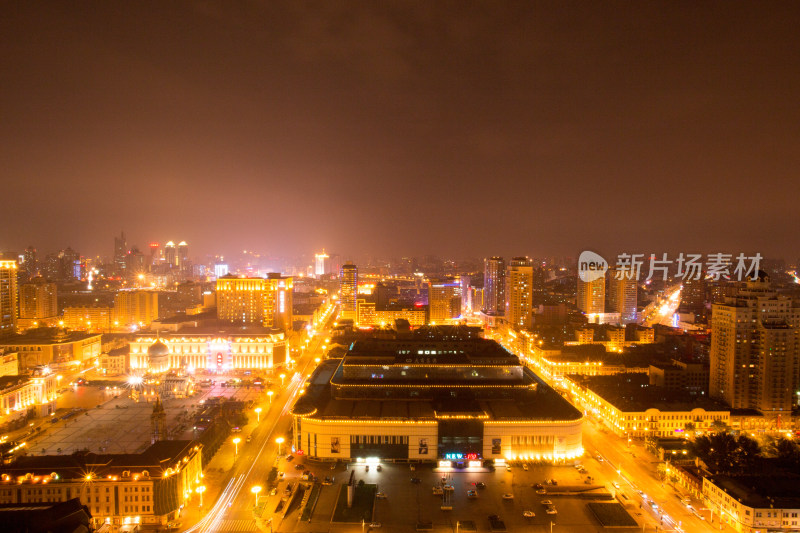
745, 519
38, 301
138, 308
592, 296
8, 297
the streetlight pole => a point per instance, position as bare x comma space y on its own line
255, 490
269, 395
236, 442
279, 440
200, 490
258, 415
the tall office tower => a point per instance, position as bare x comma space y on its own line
494, 285
258, 301
120, 251
466, 294
322, 264
592, 296
135, 307
170, 254
755, 349
519, 292
622, 296
72, 266
348, 291
444, 300
155, 251
38, 301
183, 254
8, 297
30, 262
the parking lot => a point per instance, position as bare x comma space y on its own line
408, 503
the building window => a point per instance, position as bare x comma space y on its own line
334, 444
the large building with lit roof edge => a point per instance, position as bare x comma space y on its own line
433, 394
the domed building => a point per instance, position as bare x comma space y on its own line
157, 357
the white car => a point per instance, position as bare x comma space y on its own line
528, 514
508, 496
546, 503
551, 510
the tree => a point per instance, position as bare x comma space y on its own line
725, 454
720, 426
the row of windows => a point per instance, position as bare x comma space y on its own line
378, 439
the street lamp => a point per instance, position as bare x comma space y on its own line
255, 490
236, 442
282, 376
269, 395
200, 490
279, 440
258, 414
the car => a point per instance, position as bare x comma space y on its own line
508, 496
416, 480
541, 491
449, 487
333, 466
274, 491
553, 482
546, 502
299, 466
493, 517
525, 466
616, 485
654, 505
327, 481
538, 486
528, 514
551, 510
438, 491
381, 495
374, 524
249, 438
508, 468
379, 468
599, 458
480, 485
281, 475
290, 458
472, 494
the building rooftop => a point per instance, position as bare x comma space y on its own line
762, 492
155, 460
633, 392
47, 336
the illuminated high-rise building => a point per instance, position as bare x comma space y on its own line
592, 296
622, 296
494, 286
755, 349
183, 254
257, 301
322, 264
348, 291
120, 251
38, 303
135, 307
8, 297
519, 292
170, 254
444, 300
30, 262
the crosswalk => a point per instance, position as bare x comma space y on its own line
236, 525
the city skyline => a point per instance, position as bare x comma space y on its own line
543, 129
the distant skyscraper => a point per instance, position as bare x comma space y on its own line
622, 296
120, 251
30, 262
8, 297
322, 265
38, 303
592, 296
135, 263
444, 300
494, 285
220, 269
348, 291
693, 294
135, 307
754, 358
519, 292
170, 254
183, 254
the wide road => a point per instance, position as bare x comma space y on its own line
233, 509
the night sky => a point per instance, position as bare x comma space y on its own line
461, 128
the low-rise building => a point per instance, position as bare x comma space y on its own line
756, 503
631, 407
47, 346
433, 395
148, 488
18, 394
